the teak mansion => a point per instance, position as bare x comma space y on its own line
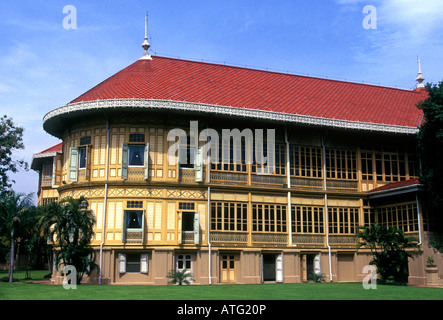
343, 158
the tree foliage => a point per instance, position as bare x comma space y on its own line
388, 248
11, 139
12, 206
16, 212
70, 224
430, 146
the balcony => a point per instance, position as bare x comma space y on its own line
133, 236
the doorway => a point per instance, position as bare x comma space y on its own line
310, 267
272, 267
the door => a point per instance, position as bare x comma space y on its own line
272, 267
269, 267
227, 268
345, 266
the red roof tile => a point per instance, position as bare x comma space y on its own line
56, 148
213, 84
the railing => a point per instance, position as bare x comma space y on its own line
223, 177
188, 175
307, 183
350, 240
268, 181
342, 185
272, 239
133, 236
47, 181
233, 238
83, 175
136, 173
188, 237
308, 240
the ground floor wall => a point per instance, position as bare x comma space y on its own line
150, 266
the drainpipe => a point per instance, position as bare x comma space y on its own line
288, 182
418, 219
209, 235
326, 207
208, 179
104, 204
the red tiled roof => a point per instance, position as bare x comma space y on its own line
396, 185
213, 84
56, 148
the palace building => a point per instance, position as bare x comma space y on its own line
343, 158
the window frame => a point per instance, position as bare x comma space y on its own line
123, 263
183, 258
82, 157
196, 226
142, 148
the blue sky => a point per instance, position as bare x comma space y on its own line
44, 66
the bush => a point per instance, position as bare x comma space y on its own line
388, 248
180, 277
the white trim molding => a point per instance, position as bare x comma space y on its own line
110, 104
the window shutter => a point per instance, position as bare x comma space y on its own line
73, 165
147, 161
57, 170
196, 228
54, 171
262, 269
199, 166
125, 161
144, 231
88, 161
279, 268
144, 263
124, 227
122, 263
180, 219
179, 162
317, 269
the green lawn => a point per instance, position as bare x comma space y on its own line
23, 290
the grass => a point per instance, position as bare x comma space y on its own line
24, 290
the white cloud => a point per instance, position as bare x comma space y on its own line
405, 29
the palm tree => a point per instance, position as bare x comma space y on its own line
28, 231
70, 224
12, 206
48, 216
179, 277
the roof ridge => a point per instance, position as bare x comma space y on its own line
288, 73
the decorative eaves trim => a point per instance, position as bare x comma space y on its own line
45, 155
226, 110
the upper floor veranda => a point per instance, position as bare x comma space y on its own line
154, 148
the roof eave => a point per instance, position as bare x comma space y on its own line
50, 119
395, 191
39, 157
